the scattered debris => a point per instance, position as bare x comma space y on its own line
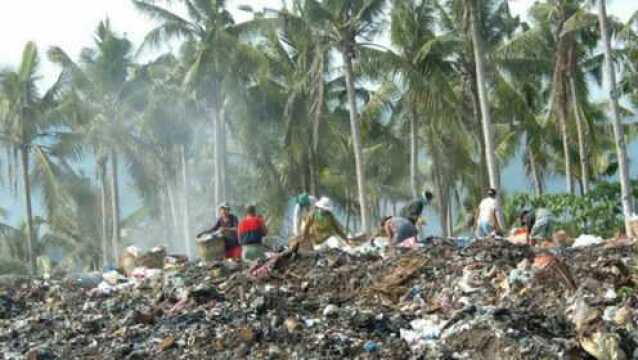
587, 240
480, 299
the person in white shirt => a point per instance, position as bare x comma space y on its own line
487, 220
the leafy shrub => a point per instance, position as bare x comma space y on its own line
599, 212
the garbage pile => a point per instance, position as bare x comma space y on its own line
490, 299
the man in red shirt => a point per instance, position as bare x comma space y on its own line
252, 230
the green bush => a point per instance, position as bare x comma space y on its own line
599, 212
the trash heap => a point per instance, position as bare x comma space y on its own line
488, 300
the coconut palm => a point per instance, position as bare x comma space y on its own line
629, 36
564, 32
421, 65
102, 104
297, 65
25, 125
479, 57
619, 137
344, 24
216, 61
164, 135
495, 24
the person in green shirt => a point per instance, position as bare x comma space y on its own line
304, 203
320, 225
414, 209
539, 224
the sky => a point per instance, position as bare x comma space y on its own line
70, 23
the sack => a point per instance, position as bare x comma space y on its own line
153, 259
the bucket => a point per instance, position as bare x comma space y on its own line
210, 248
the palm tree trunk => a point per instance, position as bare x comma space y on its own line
476, 112
164, 216
319, 80
483, 101
481, 80
559, 90
582, 152
443, 208
414, 153
173, 207
224, 155
115, 204
313, 170
562, 119
347, 205
103, 212
621, 150
580, 186
356, 141
440, 189
24, 152
450, 218
218, 156
305, 171
536, 179
186, 184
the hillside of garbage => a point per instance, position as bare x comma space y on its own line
488, 299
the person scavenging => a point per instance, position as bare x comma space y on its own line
539, 224
226, 224
398, 229
320, 225
252, 229
413, 210
487, 219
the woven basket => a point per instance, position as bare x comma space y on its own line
210, 249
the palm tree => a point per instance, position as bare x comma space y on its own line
564, 32
566, 19
297, 65
495, 24
164, 136
482, 92
23, 117
629, 36
216, 61
101, 102
342, 23
421, 65
619, 136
